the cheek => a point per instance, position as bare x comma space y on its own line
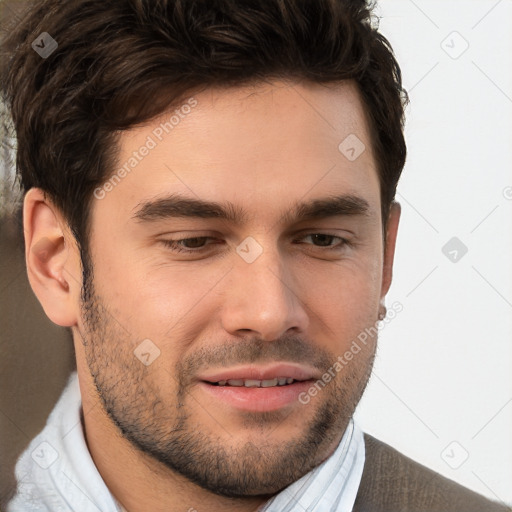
350, 308
162, 301
344, 300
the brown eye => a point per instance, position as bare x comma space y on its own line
324, 240
191, 244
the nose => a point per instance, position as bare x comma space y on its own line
263, 298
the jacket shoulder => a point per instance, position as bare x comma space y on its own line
392, 482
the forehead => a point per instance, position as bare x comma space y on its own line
258, 146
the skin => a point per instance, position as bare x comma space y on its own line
159, 441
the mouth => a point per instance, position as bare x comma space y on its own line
256, 383
258, 389
276, 374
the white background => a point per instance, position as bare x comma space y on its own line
442, 386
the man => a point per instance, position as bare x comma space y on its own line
209, 207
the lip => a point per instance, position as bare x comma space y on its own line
257, 399
294, 371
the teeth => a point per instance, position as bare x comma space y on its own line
255, 383
236, 382
249, 383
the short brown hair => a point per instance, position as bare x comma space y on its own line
120, 63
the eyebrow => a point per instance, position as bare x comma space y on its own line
179, 206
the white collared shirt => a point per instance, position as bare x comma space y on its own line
56, 472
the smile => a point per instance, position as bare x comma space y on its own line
255, 383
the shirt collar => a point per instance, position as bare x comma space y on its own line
330, 487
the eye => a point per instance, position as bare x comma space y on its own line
197, 244
324, 240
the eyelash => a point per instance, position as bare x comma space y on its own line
174, 244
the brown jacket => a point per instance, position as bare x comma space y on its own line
392, 482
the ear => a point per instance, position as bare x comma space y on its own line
52, 258
389, 249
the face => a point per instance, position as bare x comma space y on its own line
205, 326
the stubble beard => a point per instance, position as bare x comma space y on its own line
166, 430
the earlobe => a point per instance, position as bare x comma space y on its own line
51, 265
389, 249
